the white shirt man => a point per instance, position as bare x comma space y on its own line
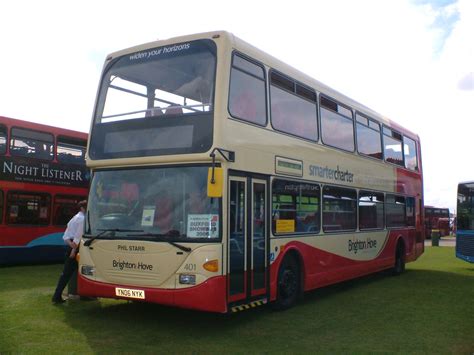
75, 228
72, 236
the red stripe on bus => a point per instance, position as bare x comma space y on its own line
208, 296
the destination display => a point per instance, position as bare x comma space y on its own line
28, 171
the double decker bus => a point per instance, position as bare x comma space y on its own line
42, 177
224, 179
465, 222
437, 219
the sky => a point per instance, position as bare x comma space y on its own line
410, 60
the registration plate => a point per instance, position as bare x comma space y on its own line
130, 293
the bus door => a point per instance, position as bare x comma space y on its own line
247, 239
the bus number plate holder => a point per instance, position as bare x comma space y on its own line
130, 293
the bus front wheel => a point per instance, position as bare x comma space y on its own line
288, 285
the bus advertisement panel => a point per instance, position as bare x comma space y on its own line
224, 179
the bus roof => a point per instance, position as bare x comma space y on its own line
275, 63
39, 126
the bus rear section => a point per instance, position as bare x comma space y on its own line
154, 236
465, 222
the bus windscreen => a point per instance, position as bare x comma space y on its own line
165, 91
153, 202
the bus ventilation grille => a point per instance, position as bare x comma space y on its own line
243, 307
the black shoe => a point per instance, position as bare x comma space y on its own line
58, 300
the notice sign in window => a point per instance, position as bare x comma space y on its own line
285, 225
203, 226
148, 216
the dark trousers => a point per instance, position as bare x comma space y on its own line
70, 266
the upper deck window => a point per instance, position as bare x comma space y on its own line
293, 107
409, 150
337, 126
31, 144
392, 146
155, 102
3, 139
71, 150
247, 91
369, 141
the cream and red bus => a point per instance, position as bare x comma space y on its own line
225, 179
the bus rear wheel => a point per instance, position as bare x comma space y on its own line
399, 266
288, 285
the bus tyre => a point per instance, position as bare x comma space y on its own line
399, 266
288, 285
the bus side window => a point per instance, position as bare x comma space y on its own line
31, 144
64, 208
295, 207
1, 206
339, 209
3, 139
371, 210
395, 209
28, 208
337, 124
409, 151
247, 91
71, 150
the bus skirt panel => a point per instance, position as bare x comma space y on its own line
207, 296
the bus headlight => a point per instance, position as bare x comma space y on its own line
87, 270
187, 279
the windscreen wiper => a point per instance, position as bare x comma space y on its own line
162, 238
103, 231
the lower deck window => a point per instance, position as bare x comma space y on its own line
1, 207
28, 208
295, 207
371, 210
410, 211
64, 208
395, 206
339, 209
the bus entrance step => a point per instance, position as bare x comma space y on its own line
253, 304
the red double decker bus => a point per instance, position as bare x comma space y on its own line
436, 219
42, 177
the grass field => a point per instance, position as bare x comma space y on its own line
429, 309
